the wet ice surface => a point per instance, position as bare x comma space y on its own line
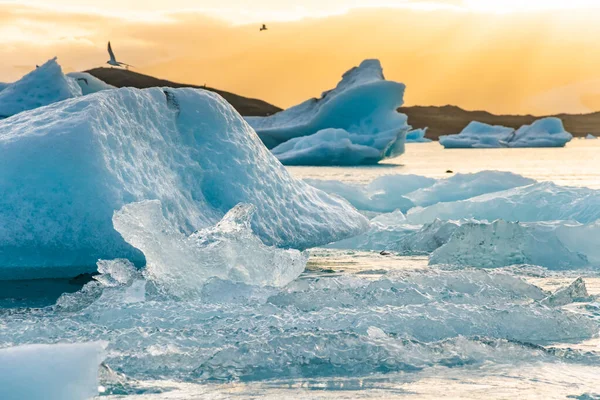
355, 324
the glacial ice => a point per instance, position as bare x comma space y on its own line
464, 186
181, 264
545, 132
576, 291
590, 136
543, 201
50, 372
44, 85
89, 83
340, 326
417, 136
71, 164
331, 147
384, 194
391, 232
554, 245
360, 111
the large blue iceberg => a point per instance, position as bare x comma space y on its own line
65, 168
355, 123
44, 85
546, 132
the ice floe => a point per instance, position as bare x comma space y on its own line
545, 132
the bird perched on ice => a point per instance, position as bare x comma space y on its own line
263, 28
113, 61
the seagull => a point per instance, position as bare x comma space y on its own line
113, 61
263, 28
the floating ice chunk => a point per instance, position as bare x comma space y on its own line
70, 165
384, 194
477, 135
182, 264
417, 136
50, 372
362, 109
42, 86
389, 232
590, 136
464, 186
545, 132
89, 83
576, 291
504, 243
544, 201
333, 147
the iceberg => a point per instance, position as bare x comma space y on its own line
44, 85
477, 135
332, 147
89, 83
360, 111
50, 372
384, 194
68, 166
417, 136
543, 201
590, 136
554, 245
229, 251
545, 132
464, 186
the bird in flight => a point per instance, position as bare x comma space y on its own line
263, 28
113, 61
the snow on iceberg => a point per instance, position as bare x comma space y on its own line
363, 105
230, 251
543, 201
70, 165
44, 85
89, 83
384, 194
417, 136
545, 132
50, 372
554, 245
464, 186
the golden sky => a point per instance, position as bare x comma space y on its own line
504, 56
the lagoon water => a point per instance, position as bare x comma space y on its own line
355, 324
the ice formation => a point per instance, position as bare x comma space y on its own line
391, 232
360, 113
88, 83
333, 147
554, 245
70, 165
464, 186
590, 136
545, 132
543, 201
384, 194
417, 136
44, 85
50, 372
182, 264
341, 326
